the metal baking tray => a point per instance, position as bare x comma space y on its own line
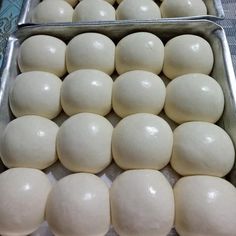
215, 12
223, 72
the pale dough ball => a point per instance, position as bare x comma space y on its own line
79, 205
140, 51
138, 10
202, 148
50, 11
142, 141
84, 143
138, 92
109, 1
87, 91
94, 10
91, 51
187, 54
194, 97
183, 8
142, 203
205, 205
29, 141
36, 93
23, 200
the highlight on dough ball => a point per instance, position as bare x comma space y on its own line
29, 141
205, 205
84, 143
142, 203
91, 51
142, 141
79, 205
202, 148
186, 54
23, 198
194, 97
140, 51
138, 92
36, 93
42, 53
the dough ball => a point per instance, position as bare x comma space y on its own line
202, 148
142, 141
138, 92
183, 8
138, 10
140, 51
52, 11
109, 1
187, 54
23, 200
36, 93
205, 205
84, 143
43, 53
94, 10
87, 91
194, 97
91, 51
79, 205
29, 141
142, 203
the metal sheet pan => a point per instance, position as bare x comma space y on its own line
223, 72
215, 12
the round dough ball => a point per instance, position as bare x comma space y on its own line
50, 11
202, 148
42, 53
29, 141
187, 54
183, 8
36, 93
87, 91
142, 203
138, 92
142, 141
84, 143
205, 205
23, 200
138, 10
91, 51
94, 10
79, 205
109, 1
140, 51
194, 97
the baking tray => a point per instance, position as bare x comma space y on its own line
215, 12
223, 72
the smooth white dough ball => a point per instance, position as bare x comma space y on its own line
109, 1
183, 8
29, 141
202, 148
91, 51
194, 97
94, 10
186, 54
36, 93
87, 91
138, 10
138, 92
23, 198
84, 143
142, 141
79, 205
51, 11
142, 203
205, 205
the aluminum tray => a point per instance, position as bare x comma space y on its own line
215, 12
223, 72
